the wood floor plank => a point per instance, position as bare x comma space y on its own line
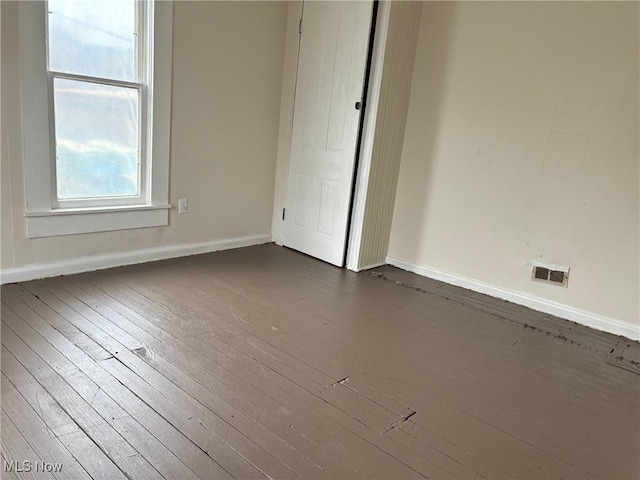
63, 394
305, 375
91, 421
93, 459
39, 437
64, 428
298, 442
18, 453
193, 457
203, 368
144, 442
250, 428
201, 425
266, 361
58, 422
106, 383
263, 374
261, 362
328, 355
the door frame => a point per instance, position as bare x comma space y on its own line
364, 147
361, 125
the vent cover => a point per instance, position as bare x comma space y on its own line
541, 273
552, 274
556, 276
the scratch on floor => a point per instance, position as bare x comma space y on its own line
94, 396
333, 385
144, 351
397, 424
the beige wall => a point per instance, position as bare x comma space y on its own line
486, 185
227, 71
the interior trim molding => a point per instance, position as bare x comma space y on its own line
367, 267
99, 262
583, 317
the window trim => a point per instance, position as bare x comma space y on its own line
44, 217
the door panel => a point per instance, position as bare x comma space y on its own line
304, 187
331, 71
328, 203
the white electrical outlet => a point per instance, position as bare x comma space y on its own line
183, 206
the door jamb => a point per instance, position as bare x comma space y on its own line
365, 91
366, 149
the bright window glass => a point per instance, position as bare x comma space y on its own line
97, 141
93, 37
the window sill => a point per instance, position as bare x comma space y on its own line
73, 221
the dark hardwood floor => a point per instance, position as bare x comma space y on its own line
262, 362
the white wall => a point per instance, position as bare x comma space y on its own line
227, 71
486, 186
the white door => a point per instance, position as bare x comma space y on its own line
331, 71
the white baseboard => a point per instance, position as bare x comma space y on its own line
98, 262
593, 320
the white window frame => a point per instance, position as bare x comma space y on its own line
144, 65
45, 215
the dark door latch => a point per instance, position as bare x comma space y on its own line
358, 105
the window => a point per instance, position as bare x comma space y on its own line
96, 114
97, 66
